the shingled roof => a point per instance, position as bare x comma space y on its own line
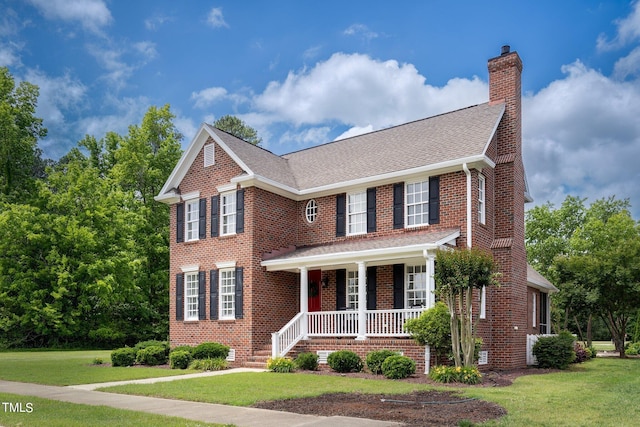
446, 140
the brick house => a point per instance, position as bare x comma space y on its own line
333, 247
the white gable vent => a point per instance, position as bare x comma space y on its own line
209, 155
323, 355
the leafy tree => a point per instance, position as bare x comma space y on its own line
19, 133
459, 272
238, 128
432, 328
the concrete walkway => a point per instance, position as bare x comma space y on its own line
205, 412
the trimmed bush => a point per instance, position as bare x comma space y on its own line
452, 374
186, 348
345, 361
307, 361
554, 352
216, 364
152, 343
281, 365
180, 359
210, 350
398, 367
125, 356
376, 358
152, 355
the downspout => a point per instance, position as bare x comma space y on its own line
468, 173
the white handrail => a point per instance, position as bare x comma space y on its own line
287, 337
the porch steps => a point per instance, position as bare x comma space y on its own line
259, 358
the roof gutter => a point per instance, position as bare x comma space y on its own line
468, 173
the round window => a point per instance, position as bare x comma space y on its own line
311, 211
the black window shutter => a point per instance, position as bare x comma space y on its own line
215, 221
434, 200
341, 289
371, 288
240, 211
398, 205
179, 296
341, 202
213, 294
202, 219
371, 210
180, 222
202, 294
398, 286
238, 295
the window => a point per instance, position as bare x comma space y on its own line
357, 213
209, 155
534, 308
417, 202
544, 310
228, 293
191, 296
352, 290
192, 220
483, 302
416, 286
228, 213
311, 211
481, 200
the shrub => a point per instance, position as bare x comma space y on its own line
97, 361
555, 351
215, 364
307, 361
180, 359
125, 356
186, 348
398, 367
633, 349
450, 374
280, 364
593, 352
582, 354
432, 328
152, 355
210, 350
345, 361
106, 336
376, 358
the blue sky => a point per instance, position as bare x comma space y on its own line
303, 73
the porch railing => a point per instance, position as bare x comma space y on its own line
380, 323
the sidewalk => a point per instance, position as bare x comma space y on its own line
205, 412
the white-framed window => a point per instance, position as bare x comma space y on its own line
192, 220
483, 302
534, 307
416, 286
311, 211
352, 290
227, 293
482, 206
357, 213
209, 155
191, 296
417, 203
228, 213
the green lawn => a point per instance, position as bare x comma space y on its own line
601, 392
70, 367
51, 413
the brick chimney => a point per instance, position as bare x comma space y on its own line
509, 301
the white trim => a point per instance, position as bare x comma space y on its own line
225, 264
534, 306
469, 209
311, 211
421, 181
363, 212
186, 297
225, 188
191, 195
231, 230
482, 201
190, 268
483, 303
220, 294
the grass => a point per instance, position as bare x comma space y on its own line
600, 392
603, 345
61, 414
70, 367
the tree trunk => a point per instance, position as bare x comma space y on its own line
589, 332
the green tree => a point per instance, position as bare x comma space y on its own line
19, 134
459, 272
238, 128
432, 328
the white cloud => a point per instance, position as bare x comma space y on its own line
153, 23
125, 111
306, 137
628, 30
147, 49
355, 131
57, 95
207, 97
362, 31
121, 62
628, 65
215, 18
8, 57
91, 14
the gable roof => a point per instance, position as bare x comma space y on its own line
538, 281
439, 144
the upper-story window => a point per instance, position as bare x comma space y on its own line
352, 290
416, 286
357, 213
417, 203
482, 206
311, 211
228, 213
192, 220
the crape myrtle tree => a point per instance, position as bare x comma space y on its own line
458, 273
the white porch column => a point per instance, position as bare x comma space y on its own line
431, 282
362, 301
304, 301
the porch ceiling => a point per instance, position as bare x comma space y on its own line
373, 251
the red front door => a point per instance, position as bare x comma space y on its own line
315, 288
